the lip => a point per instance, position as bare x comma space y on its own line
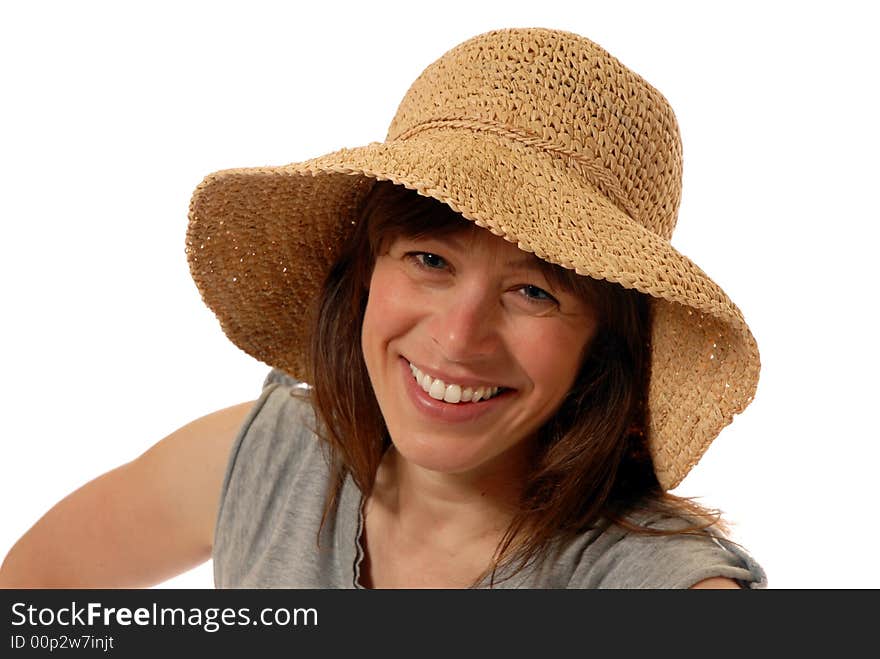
438, 410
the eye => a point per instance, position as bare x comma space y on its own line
428, 261
535, 295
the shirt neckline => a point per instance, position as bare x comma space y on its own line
350, 540
351, 528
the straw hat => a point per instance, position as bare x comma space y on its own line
539, 136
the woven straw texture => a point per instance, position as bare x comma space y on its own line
539, 136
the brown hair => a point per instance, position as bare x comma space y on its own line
592, 464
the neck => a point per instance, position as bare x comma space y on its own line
448, 509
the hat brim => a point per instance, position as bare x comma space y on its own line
261, 240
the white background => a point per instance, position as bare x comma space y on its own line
111, 113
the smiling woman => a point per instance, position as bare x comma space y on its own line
489, 365
466, 324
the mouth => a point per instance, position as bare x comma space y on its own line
450, 392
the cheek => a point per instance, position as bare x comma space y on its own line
388, 314
552, 358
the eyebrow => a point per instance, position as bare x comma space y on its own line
527, 260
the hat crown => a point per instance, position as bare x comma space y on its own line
563, 93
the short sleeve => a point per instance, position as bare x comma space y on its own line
640, 560
273, 488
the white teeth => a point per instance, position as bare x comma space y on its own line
437, 390
451, 393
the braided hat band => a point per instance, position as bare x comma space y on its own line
539, 136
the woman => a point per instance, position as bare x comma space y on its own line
509, 365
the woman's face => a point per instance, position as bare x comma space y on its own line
476, 315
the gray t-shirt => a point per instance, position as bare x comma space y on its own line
273, 499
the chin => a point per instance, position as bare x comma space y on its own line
441, 455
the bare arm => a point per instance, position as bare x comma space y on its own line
716, 582
137, 525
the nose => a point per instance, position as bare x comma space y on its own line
465, 326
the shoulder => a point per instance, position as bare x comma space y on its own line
273, 493
651, 557
283, 409
277, 437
